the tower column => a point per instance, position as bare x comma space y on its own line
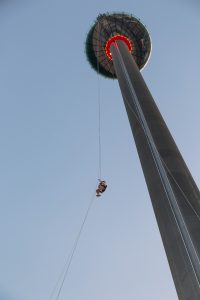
118, 46
174, 194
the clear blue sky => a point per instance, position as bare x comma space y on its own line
49, 150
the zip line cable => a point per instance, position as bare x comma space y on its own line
75, 245
99, 124
60, 277
99, 115
67, 265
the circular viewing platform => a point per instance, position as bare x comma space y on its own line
111, 27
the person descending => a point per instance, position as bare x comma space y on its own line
101, 187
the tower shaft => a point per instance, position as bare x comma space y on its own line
174, 194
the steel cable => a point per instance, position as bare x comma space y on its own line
67, 265
99, 111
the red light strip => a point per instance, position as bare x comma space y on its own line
115, 38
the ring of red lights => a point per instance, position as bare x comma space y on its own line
113, 39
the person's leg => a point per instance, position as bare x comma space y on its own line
98, 193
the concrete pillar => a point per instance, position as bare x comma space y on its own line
174, 194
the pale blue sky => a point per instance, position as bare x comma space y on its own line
49, 150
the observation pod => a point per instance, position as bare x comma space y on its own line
119, 46
115, 27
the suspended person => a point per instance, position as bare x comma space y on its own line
101, 187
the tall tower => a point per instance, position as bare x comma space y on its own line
119, 46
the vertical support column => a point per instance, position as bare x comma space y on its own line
174, 195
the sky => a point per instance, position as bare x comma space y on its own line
49, 150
